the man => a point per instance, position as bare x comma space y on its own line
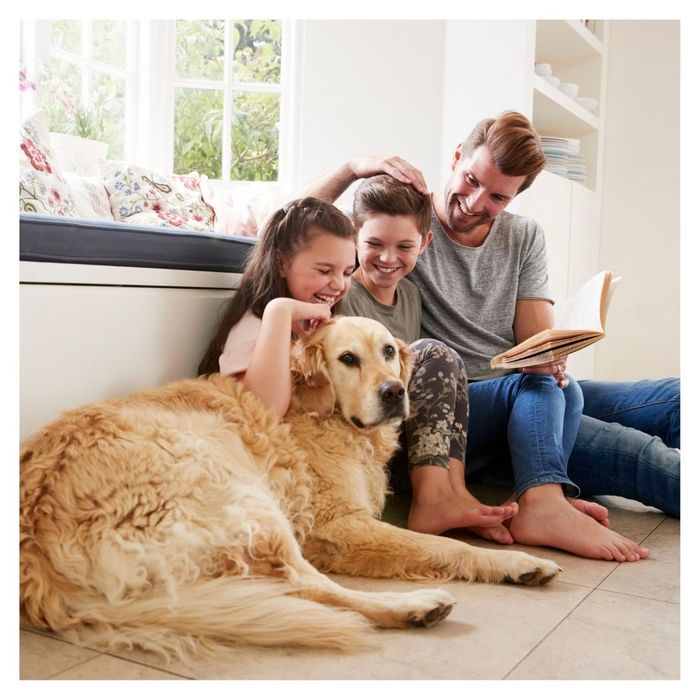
483, 282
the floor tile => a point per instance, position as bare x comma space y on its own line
609, 636
42, 656
490, 630
105, 666
657, 577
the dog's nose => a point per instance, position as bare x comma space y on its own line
391, 392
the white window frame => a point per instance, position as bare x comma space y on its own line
150, 92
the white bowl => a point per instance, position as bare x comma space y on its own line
552, 80
589, 103
543, 69
570, 89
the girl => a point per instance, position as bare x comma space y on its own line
299, 269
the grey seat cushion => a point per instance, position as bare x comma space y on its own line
44, 238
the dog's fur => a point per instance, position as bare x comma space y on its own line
186, 517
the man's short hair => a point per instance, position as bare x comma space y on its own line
384, 194
513, 143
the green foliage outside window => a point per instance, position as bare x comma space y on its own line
198, 124
255, 136
256, 59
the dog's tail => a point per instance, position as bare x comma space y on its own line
205, 617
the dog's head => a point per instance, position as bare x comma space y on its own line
355, 364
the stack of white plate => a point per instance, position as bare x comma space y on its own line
563, 157
576, 169
557, 151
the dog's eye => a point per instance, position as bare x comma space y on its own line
389, 351
347, 358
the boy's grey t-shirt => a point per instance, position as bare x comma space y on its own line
469, 294
403, 319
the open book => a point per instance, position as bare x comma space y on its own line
581, 323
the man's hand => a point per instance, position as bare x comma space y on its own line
556, 369
395, 166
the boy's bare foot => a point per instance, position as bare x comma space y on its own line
547, 518
436, 508
450, 513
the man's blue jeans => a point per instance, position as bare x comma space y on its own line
624, 445
534, 418
621, 446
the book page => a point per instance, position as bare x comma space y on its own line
587, 310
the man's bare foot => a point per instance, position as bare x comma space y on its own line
547, 518
595, 510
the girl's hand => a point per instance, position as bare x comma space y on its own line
556, 369
305, 316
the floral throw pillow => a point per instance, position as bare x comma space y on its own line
42, 188
140, 196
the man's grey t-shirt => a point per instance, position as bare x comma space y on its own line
469, 294
403, 319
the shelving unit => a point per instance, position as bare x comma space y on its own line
576, 55
568, 210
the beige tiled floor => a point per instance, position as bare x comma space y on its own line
598, 620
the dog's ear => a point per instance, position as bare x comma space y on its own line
406, 362
312, 389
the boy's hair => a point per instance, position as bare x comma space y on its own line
513, 143
287, 231
384, 194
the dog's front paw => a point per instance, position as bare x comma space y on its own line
427, 608
530, 571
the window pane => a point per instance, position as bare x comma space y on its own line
109, 42
255, 136
65, 34
59, 95
257, 50
199, 49
198, 120
106, 118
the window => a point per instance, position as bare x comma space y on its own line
176, 95
227, 98
85, 81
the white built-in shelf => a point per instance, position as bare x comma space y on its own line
565, 40
576, 55
557, 114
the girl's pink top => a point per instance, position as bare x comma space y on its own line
240, 344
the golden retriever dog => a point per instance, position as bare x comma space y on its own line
188, 517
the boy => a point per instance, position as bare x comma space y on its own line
393, 224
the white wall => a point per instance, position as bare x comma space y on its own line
481, 82
370, 87
640, 232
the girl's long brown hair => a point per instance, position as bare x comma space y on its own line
287, 231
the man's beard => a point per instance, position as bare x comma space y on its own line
457, 221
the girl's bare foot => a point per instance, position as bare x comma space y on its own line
547, 518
